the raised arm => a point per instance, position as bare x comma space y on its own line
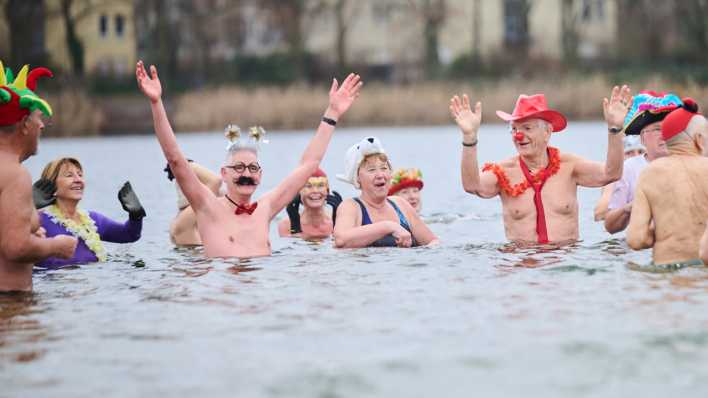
483, 184
340, 99
595, 174
349, 234
18, 243
195, 192
640, 234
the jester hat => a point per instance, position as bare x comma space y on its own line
17, 97
649, 107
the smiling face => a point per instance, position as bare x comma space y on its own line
314, 193
531, 136
374, 176
70, 182
242, 173
412, 195
652, 141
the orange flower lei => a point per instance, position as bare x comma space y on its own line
518, 189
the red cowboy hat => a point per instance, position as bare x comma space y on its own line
536, 107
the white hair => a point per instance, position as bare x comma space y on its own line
695, 126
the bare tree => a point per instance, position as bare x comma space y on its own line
570, 37
692, 17
432, 13
25, 20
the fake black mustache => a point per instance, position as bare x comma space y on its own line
243, 180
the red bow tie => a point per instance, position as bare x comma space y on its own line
249, 209
241, 209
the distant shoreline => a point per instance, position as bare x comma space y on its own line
299, 107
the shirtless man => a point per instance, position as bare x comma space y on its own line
538, 188
233, 226
671, 201
644, 119
21, 240
703, 250
183, 229
314, 222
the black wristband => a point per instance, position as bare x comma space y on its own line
329, 121
469, 145
614, 130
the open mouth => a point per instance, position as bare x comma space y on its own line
77, 188
380, 184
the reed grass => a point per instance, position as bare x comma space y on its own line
300, 106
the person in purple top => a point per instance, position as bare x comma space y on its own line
59, 192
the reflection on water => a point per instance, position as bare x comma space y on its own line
473, 314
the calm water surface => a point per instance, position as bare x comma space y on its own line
471, 316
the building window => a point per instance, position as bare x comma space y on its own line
120, 25
516, 28
592, 10
103, 25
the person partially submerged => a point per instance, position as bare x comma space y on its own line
408, 184
22, 240
314, 222
234, 225
374, 219
670, 206
538, 188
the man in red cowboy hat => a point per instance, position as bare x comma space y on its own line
21, 240
538, 188
314, 222
671, 200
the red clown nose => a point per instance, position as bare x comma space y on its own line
518, 137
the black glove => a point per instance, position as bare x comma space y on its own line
168, 170
293, 210
43, 191
334, 199
130, 202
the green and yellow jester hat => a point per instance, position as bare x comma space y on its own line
17, 97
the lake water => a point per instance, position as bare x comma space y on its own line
467, 318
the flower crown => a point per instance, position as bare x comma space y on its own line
406, 174
256, 135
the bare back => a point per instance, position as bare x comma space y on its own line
673, 192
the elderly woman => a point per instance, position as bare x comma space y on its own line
64, 217
373, 219
408, 183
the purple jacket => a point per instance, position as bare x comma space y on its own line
108, 230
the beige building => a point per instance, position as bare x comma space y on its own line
391, 31
104, 27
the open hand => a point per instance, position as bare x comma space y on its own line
43, 191
616, 108
342, 97
150, 86
467, 119
130, 202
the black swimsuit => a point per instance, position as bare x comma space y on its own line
388, 240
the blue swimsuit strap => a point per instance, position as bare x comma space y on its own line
366, 220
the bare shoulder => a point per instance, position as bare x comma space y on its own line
509, 163
15, 176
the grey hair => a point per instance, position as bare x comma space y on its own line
234, 149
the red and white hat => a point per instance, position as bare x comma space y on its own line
534, 107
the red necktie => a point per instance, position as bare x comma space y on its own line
541, 230
248, 209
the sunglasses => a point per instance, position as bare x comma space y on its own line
241, 167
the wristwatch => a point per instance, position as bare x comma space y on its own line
614, 130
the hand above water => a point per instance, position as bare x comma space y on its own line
64, 246
402, 236
342, 97
150, 86
43, 191
616, 108
130, 202
467, 119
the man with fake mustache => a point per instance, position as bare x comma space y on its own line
538, 188
234, 225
